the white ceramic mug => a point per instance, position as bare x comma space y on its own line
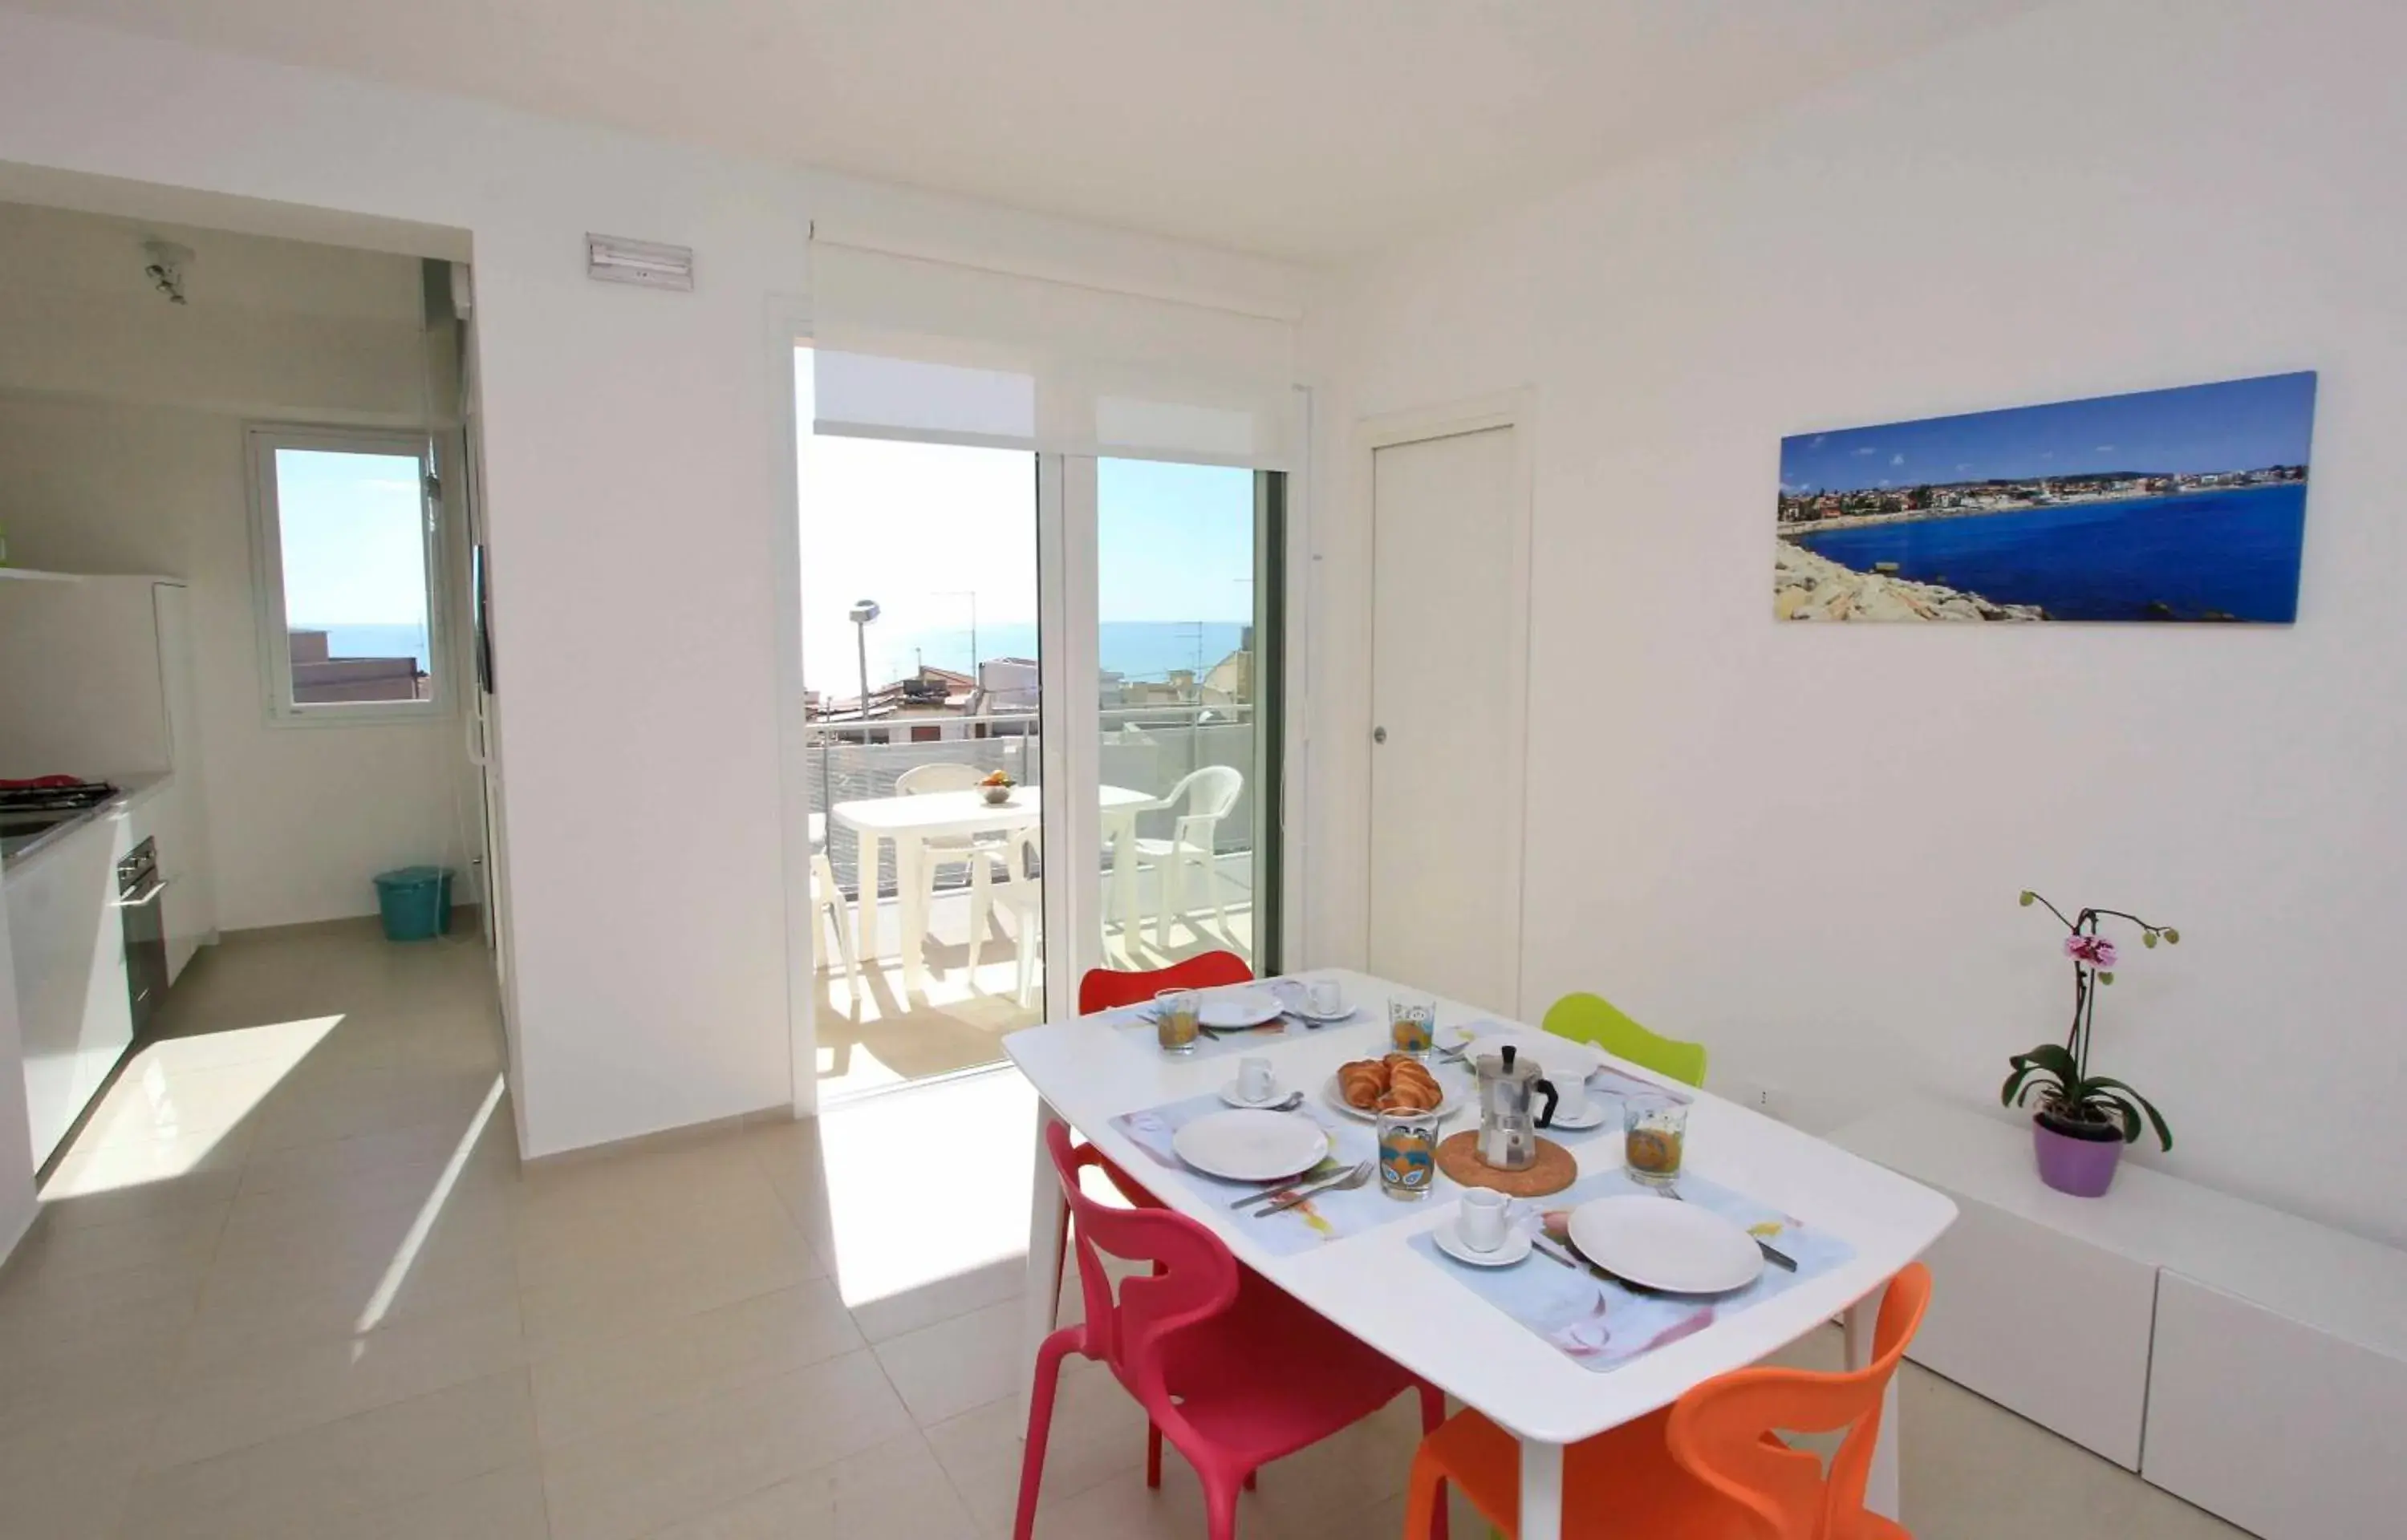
1571, 1099
1482, 1221
1325, 997
1254, 1080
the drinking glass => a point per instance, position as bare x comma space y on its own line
1173, 1020
1407, 1151
1653, 1130
1412, 1026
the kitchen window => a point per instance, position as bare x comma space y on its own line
345, 553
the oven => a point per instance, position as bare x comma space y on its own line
139, 886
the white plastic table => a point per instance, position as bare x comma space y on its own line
1372, 1285
911, 822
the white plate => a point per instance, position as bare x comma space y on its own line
1239, 1008
1246, 1146
1597, 1114
1230, 1094
1660, 1243
1334, 1097
1553, 1054
1516, 1247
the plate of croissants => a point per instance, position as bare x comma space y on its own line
1361, 1087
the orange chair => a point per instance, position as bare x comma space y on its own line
1710, 1466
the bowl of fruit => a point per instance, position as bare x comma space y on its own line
997, 788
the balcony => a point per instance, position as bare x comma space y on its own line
955, 1019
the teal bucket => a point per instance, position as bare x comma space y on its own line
416, 902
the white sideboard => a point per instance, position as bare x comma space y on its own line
2246, 1360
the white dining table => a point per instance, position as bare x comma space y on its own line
1088, 1072
909, 822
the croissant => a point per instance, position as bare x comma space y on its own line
1362, 1084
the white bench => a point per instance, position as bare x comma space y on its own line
2246, 1360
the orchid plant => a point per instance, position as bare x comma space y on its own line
2057, 1075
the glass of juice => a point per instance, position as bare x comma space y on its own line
1174, 1026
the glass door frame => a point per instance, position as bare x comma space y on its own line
1069, 716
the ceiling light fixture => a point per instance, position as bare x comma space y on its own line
165, 270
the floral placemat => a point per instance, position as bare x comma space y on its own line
1315, 1222
1601, 1323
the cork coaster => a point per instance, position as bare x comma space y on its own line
1457, 1157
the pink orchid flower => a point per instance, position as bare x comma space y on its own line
2097, 950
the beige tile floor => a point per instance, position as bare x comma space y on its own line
293, 1284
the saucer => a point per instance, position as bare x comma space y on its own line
1596, 1119
1230, 1094
1516, 1247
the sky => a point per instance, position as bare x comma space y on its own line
2238, 425
353, 537
919, 527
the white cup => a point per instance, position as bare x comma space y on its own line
1325, 997
1481, 1225
1254, 1080
1571, 1099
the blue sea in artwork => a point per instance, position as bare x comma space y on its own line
2191, 557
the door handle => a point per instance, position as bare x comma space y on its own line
1378, 735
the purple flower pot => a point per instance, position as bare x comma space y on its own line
2079, 1164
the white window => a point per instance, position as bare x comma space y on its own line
346, 555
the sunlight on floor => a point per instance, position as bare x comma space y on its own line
928, 1184
175, 1099
397, 1271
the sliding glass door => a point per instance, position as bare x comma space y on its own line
1039, 683
923, 712
1186, 643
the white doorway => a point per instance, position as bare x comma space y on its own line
1449, 516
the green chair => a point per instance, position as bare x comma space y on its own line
1594, 1018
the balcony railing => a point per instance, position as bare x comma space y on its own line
1144, 749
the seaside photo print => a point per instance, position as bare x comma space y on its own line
2184, 506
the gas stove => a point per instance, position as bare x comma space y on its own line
52, 794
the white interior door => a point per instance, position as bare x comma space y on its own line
1449, 666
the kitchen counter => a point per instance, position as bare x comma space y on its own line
17, 850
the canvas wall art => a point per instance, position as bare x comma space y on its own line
2163, 505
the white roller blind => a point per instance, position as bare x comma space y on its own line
910, 348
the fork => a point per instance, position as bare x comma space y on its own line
1345, 1183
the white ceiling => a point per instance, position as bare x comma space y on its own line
1298, 128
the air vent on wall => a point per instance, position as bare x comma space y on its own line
613, 259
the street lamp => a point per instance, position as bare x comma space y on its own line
864, 612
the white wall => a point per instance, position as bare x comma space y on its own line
121, 432
636, 460
1801, 844
17, 1201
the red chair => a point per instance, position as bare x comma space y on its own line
1107, 989
1228, 1367
1710, 1466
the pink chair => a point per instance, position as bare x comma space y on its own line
1230, 1369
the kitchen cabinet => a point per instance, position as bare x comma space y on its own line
2248, 1361
68, 947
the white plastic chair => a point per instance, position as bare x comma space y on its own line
1208, 794
1021, 894
827, 899
942, 849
